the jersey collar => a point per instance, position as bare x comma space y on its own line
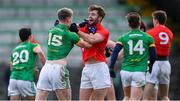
62, 26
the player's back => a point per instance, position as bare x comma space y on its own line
23, 61
163, 39
60, 42
136, 50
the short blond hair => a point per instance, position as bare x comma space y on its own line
63, 13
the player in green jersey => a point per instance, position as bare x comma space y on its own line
137, 46
54, 76
23, 60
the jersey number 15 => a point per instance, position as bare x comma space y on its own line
54, 40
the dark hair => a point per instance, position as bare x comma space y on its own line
133, 19
160, 15
24, 34
143, 26
100, 9
63, 13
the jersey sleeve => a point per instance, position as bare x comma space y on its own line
34, 46
120, 40
104, 33
151, 42
74, 37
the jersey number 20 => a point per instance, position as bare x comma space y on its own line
138, 47
22, 57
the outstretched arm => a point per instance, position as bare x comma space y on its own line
114, 56
83, 44
40, 53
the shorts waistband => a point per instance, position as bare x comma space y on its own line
95, 64
60, 61
162, 58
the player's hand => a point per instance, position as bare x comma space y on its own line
108, 51
112, 73
92, 29
56, 22
82, 24
74, 28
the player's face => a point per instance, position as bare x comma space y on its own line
69, 21
93, 17
154, 22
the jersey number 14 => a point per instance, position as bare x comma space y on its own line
138, 47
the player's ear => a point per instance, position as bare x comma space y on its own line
100, 18
30, 37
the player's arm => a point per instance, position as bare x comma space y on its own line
112, 44
91, 38
40, 53
83, 44
115, 53
152, 58
120, 55
114, 56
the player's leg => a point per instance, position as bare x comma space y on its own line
154, 94
86, 87
163, 92
164, 79
27, 89
152, 80
41, 95
137, 84
126, 82
101, 81
63, 94
85, 94
110, 93
13, 91
136, 93
99, 94
44, 84
127, 91
16, 97
30, 98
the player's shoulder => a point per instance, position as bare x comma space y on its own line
55, 30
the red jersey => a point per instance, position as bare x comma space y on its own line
97, 49
163, 39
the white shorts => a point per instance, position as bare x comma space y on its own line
160, 73
134, 79
95, 76
21, 87
53, 76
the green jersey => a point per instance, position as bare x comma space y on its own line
23, 61
60, 42
136, 50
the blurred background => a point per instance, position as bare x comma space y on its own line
41, 14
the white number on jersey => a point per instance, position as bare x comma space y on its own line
18, 57
164, 38
54, 40
137, 47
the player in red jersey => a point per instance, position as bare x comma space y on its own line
161, 69
95, 78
